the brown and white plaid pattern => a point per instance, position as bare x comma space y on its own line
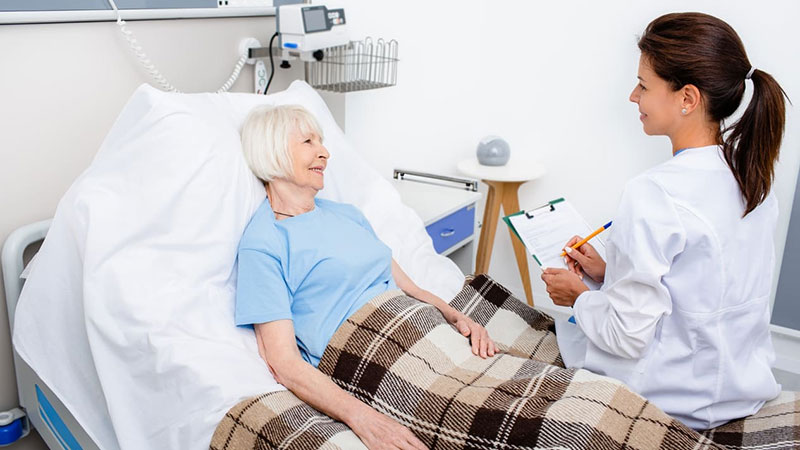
775, 426
279, 420
401, 357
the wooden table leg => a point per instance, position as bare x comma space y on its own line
505, 194
490, 216
510, 201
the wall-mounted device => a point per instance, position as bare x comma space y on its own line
318, 36
305, 29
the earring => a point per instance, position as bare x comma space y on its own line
684, 111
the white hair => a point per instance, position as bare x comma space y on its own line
265, 138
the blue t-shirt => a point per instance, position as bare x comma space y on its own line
315, 269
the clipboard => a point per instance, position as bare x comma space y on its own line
545, 230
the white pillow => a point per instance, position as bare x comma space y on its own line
128, 313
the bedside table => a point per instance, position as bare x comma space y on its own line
504, 182
449, 217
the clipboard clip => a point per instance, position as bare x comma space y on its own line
549, 207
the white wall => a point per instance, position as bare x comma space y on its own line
552, 78
61, 88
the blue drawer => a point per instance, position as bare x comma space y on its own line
452, 229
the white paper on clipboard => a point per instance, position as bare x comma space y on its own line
546, 230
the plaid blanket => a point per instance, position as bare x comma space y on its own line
401, 357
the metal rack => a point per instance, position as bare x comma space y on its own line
357, 66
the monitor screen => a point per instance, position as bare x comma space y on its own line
314, 19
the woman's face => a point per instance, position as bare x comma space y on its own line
309, 158
659, 105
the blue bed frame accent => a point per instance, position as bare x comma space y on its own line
54, 422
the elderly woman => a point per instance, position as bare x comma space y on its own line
307, 264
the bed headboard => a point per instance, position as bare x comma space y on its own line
13, 263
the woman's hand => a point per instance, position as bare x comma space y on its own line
563, 286
378, 431
585, 257
482, 344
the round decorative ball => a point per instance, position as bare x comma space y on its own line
493, 151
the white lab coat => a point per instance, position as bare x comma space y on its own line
683, 315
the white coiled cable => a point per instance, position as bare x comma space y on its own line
151, 68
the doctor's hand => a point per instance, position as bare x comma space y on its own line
563, 286
585, 257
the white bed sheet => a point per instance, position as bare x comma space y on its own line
127, 314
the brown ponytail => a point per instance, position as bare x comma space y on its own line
698, 49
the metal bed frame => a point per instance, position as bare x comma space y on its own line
45, 412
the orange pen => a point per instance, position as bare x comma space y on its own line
587, 238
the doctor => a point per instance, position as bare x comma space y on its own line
682, 316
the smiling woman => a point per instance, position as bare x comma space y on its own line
306, 265
283, 145
681, 53
679, 318
276, 129
658, 101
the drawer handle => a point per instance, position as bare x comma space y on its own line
447, 233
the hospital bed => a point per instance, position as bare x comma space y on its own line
123, 334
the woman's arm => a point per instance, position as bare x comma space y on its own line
278, 348
482, 344
648, 235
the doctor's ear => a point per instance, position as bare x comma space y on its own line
690, 98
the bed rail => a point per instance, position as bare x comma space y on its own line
13, 264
